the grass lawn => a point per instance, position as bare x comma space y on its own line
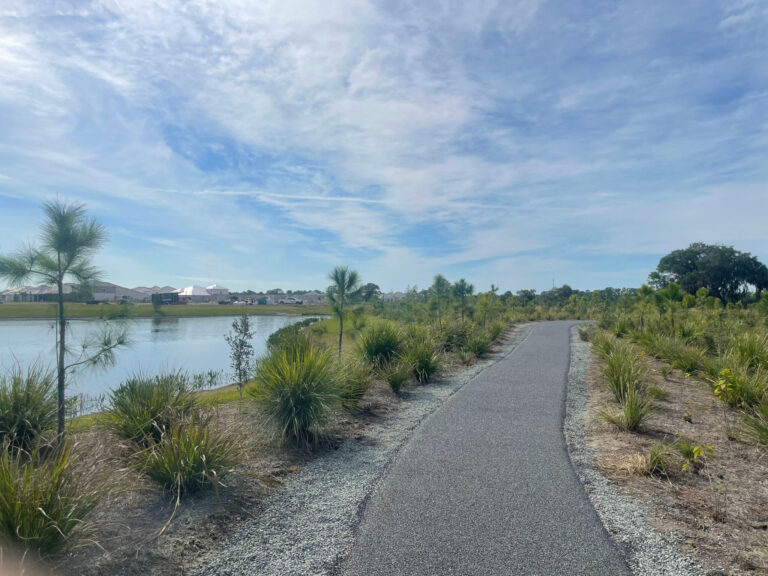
79, 310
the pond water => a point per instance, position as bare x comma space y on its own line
194, 345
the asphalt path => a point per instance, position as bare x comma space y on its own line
485, 485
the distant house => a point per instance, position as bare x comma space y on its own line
393, 296
41, 293
194, 294
218, 293
313, 297
289, 300
108, 292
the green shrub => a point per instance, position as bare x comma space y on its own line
142, 407
191, 455
424, 357
495, 331
28, 406
479, 344
456, 335
623, 370
355, 381
380, 344
662, 460
396, 374
756, 422
298, 387
634, 409
41, 500
694, 455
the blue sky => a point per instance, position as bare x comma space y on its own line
260, 143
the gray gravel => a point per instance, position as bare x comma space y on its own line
309, 524
648, 552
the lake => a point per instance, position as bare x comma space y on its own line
156, 344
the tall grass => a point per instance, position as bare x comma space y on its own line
423, 354
354, 383
27, 406
380, 344
756, 422
623, 370
191, 455
42, 501
298, 388
635, 407
142, 407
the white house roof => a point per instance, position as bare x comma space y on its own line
216, 287
194, 291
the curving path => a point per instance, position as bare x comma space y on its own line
485, 485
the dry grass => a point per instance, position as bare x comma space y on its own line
718, 509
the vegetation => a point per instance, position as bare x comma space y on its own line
143, 407
344, 288
241, 350
42, 501
27, 407
298, 386
69, 240
381, 344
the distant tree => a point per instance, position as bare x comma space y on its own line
526, 296
461, 291
157, 302
345, 286
370, 291
727, 273
441, 291
69, 240
241, 350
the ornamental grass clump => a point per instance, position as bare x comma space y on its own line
756, 422
42, 501
354, 383
623, 370
479, 343
396, 374
143, 407
423, 354
28, 406
380, 344
298, 387
635, 407
192, 454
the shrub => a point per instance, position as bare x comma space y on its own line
397, 373
694, 455
355, 381
142, 407
479, 344
495, 331
662, 460
41, 500
423, 355
190, 455
456, 335
634, 409
298, 387
28, 406
623, 370
380, 344
756, 422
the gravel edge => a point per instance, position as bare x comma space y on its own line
308, 525
648, 552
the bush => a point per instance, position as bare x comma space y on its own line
41, 500
142, 407
662, 461
456, 335
355, 382
495, 331
423, 355
380, 344
623, 370
190, 455
396, 374
298, 387
286, 334
634, 409
479, 344
28, 406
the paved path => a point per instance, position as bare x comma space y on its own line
485, 486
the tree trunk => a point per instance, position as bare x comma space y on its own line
60, 368
341, 330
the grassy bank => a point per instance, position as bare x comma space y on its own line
20, 310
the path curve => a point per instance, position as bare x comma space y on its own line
485, 485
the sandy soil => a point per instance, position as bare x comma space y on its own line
719, 512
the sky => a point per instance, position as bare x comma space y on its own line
258, 144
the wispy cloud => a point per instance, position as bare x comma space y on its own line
243, 141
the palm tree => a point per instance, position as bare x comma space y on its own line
68, 240
441, 289
345, 286
461, 290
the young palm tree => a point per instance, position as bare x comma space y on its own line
345, 286
68, 241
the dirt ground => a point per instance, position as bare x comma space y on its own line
719, 512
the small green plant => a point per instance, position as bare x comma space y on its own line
662, 460
756, 422
27, 406
41, 500
634, 410
465, 356
456, 335
191, 455
694, 455
298, 387
396, 374
423, 355
142, 407
479, 344
658, 393
355, 381
380, 344
623, 370
666, 371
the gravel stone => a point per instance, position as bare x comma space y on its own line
648, 552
